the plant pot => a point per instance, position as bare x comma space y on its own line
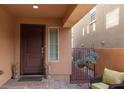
81, 65
89, 65
15, 77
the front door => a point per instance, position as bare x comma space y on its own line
32, 49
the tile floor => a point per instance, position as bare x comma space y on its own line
44, 84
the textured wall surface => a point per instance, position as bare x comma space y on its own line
6, 45
112, 52
112, 37
112, 58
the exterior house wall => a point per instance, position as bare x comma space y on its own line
112, 58
112, 53
6, 45
113, 37
61, 68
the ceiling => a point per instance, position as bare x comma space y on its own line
44, 10
69, 14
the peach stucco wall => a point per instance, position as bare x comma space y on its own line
10, 48
112, 58
63, 66
6, 45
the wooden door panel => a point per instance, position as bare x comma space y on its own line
32, 41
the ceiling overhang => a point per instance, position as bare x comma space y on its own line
69, 14
75, 13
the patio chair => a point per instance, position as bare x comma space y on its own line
108, 80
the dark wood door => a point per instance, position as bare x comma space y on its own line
32, 49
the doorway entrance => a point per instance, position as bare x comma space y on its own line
32, 51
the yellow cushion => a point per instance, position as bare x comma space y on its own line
99, 85
112, 77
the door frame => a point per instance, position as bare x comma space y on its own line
21, 64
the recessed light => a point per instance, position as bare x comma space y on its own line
35, 7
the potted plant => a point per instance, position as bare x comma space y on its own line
87, 60
14, 71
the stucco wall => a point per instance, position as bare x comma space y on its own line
6, 45
112, 37
112, 58
63, 66
112, 53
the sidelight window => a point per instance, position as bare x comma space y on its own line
53, 44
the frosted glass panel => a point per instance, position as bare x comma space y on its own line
88, 29
94, 26
53, 44
112, 18
83, 33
